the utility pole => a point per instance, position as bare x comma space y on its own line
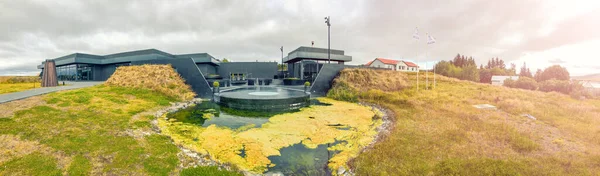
281, 62
328, 39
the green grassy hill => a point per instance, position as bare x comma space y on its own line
439, 131
100, 130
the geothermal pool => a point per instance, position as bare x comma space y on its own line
264, 99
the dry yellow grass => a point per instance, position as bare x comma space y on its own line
439, 132
19, 79
160, 78
8, 109
13, 147
366, 79
17, 87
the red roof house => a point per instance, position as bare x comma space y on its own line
393, 64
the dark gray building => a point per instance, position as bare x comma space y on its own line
305, 62
88, 67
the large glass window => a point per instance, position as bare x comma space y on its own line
75, 72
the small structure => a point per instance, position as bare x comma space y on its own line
305, 63
499, 80
393, 65
49, 74
592, 87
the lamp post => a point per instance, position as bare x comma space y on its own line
328, 39
281, 60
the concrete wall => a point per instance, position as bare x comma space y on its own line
324, 80
188, 71
254, 69
98, 74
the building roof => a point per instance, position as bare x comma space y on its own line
387, 61
313, 53
129, 56
410, 64
502, 78
392, 62
591, 84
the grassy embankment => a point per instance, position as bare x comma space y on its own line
9, 84
439, 132
101, 130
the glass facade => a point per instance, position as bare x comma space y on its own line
75, 72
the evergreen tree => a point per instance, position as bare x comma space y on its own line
538, 75
525, 72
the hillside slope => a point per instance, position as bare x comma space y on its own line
440, 132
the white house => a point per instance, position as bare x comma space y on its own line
499, 80
393, 65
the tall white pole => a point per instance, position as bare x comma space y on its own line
417, 59
433, 74
426, 72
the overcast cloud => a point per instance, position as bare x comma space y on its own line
539, 32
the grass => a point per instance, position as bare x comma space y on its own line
19, 79
98, 130
17, 87
33, 164
213, 171
160, 78
438, 132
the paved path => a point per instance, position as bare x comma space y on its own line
44, 90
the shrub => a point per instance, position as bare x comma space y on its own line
160, 78
510, 83
522, 83
554, 85
554, 72
343, 92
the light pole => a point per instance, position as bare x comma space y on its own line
328, 39
281, 61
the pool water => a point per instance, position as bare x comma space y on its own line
194, 115
300, 160
294, 160
234, 122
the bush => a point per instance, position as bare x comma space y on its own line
522, 83
343, 92
554, 72
554, 85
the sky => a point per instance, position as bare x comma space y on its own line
539, 32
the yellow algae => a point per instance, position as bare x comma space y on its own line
249, 148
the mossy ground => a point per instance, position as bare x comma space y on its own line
99, 130
312, 126
439, 132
